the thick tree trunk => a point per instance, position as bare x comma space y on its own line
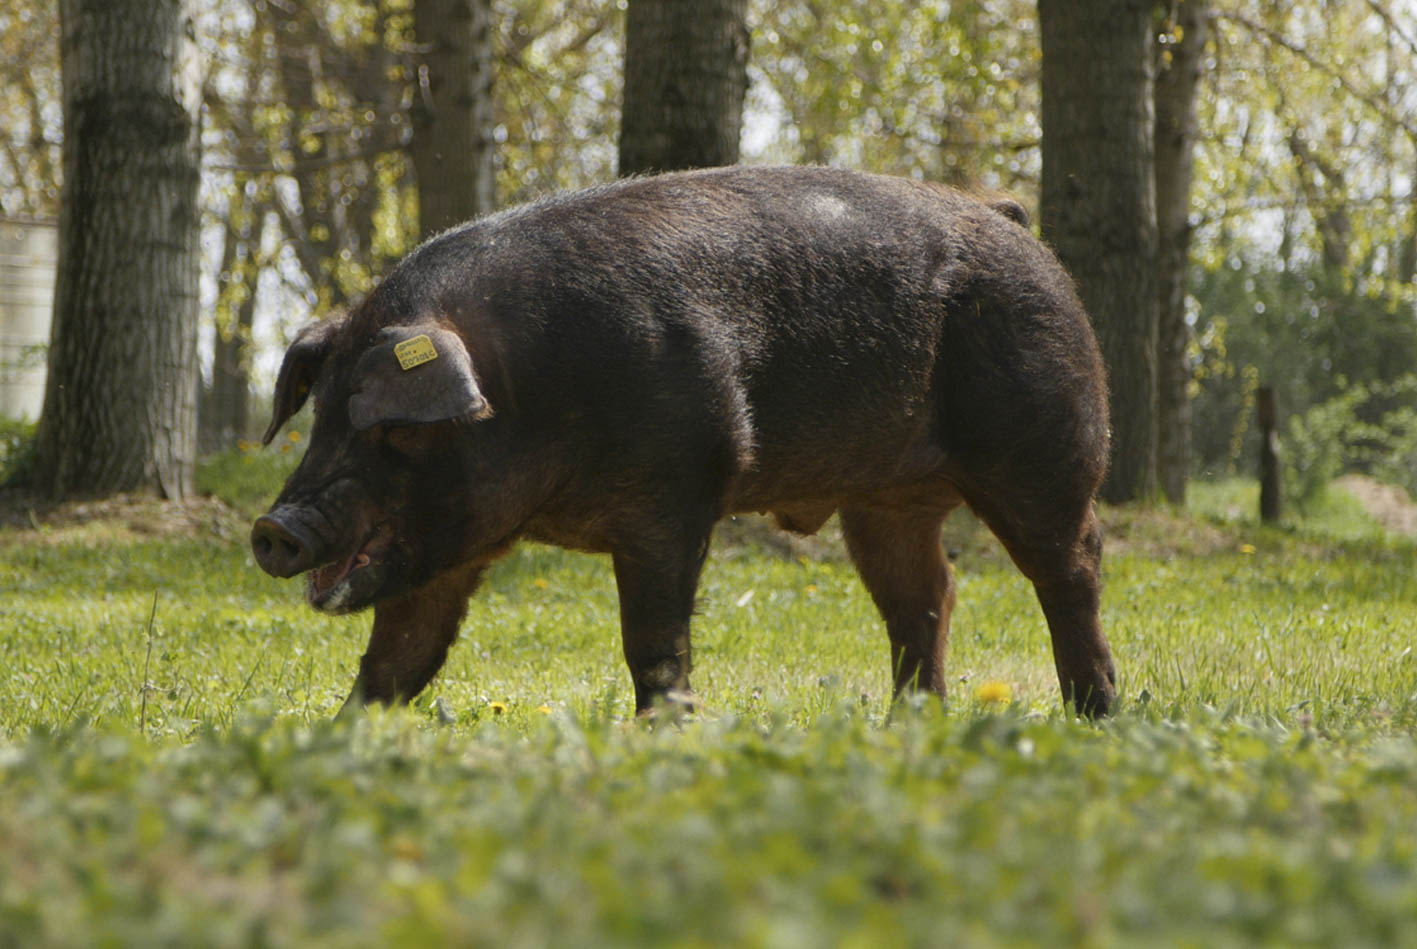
1176, 130
120, 403
453, 146
1099, 205
686, 73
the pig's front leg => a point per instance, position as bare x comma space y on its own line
410, 638
656, 602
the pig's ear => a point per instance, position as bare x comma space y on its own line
414, 374
299, 371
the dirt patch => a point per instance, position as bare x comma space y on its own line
27, 520
1390, 505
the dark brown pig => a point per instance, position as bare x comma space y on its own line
616, 369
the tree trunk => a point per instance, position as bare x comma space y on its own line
686, 73
1325, 186
1176, 130
1271, 484
224, 409
452, 146
1407, 251
1099, 205
1407, 244
120, 403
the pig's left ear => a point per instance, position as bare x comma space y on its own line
299, 370
414, 374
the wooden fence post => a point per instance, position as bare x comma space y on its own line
1270, 480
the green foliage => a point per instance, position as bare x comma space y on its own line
558, 90
1326, 349
31, 118
946, 91
247, 476
171, 775
1306, 110
1354, 432
17, 439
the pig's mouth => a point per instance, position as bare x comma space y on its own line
343, 586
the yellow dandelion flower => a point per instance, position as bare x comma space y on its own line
542, 583
497, 707
294, 436
811, 588
406, 848
544, 709
1247, 549
993, 692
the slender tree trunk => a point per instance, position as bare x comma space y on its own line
120, 403
1325, 187
452, 146
224, 410
1271, 483
1407, 251
686, 73
1176, 131
1099, 205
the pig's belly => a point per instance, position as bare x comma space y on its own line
802, 484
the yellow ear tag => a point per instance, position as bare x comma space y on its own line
415, 352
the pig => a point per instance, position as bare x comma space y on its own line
617, 369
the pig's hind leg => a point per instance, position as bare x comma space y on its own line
1057, 544
900, 559
410, 638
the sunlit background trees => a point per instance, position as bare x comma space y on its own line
329, 129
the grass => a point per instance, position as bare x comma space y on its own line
179, 782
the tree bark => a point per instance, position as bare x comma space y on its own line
1099, 205
452, 145
120, 402
223, 416
1176, 131
686, 73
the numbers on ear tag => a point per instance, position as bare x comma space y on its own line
415, 352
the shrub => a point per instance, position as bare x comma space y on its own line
17, 440
1366, 428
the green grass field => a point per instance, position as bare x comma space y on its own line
169, 774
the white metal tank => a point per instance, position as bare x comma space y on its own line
27, 263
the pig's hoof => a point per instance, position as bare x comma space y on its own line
672, 706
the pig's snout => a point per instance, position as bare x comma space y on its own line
280, 550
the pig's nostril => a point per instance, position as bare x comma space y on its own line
278, 550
